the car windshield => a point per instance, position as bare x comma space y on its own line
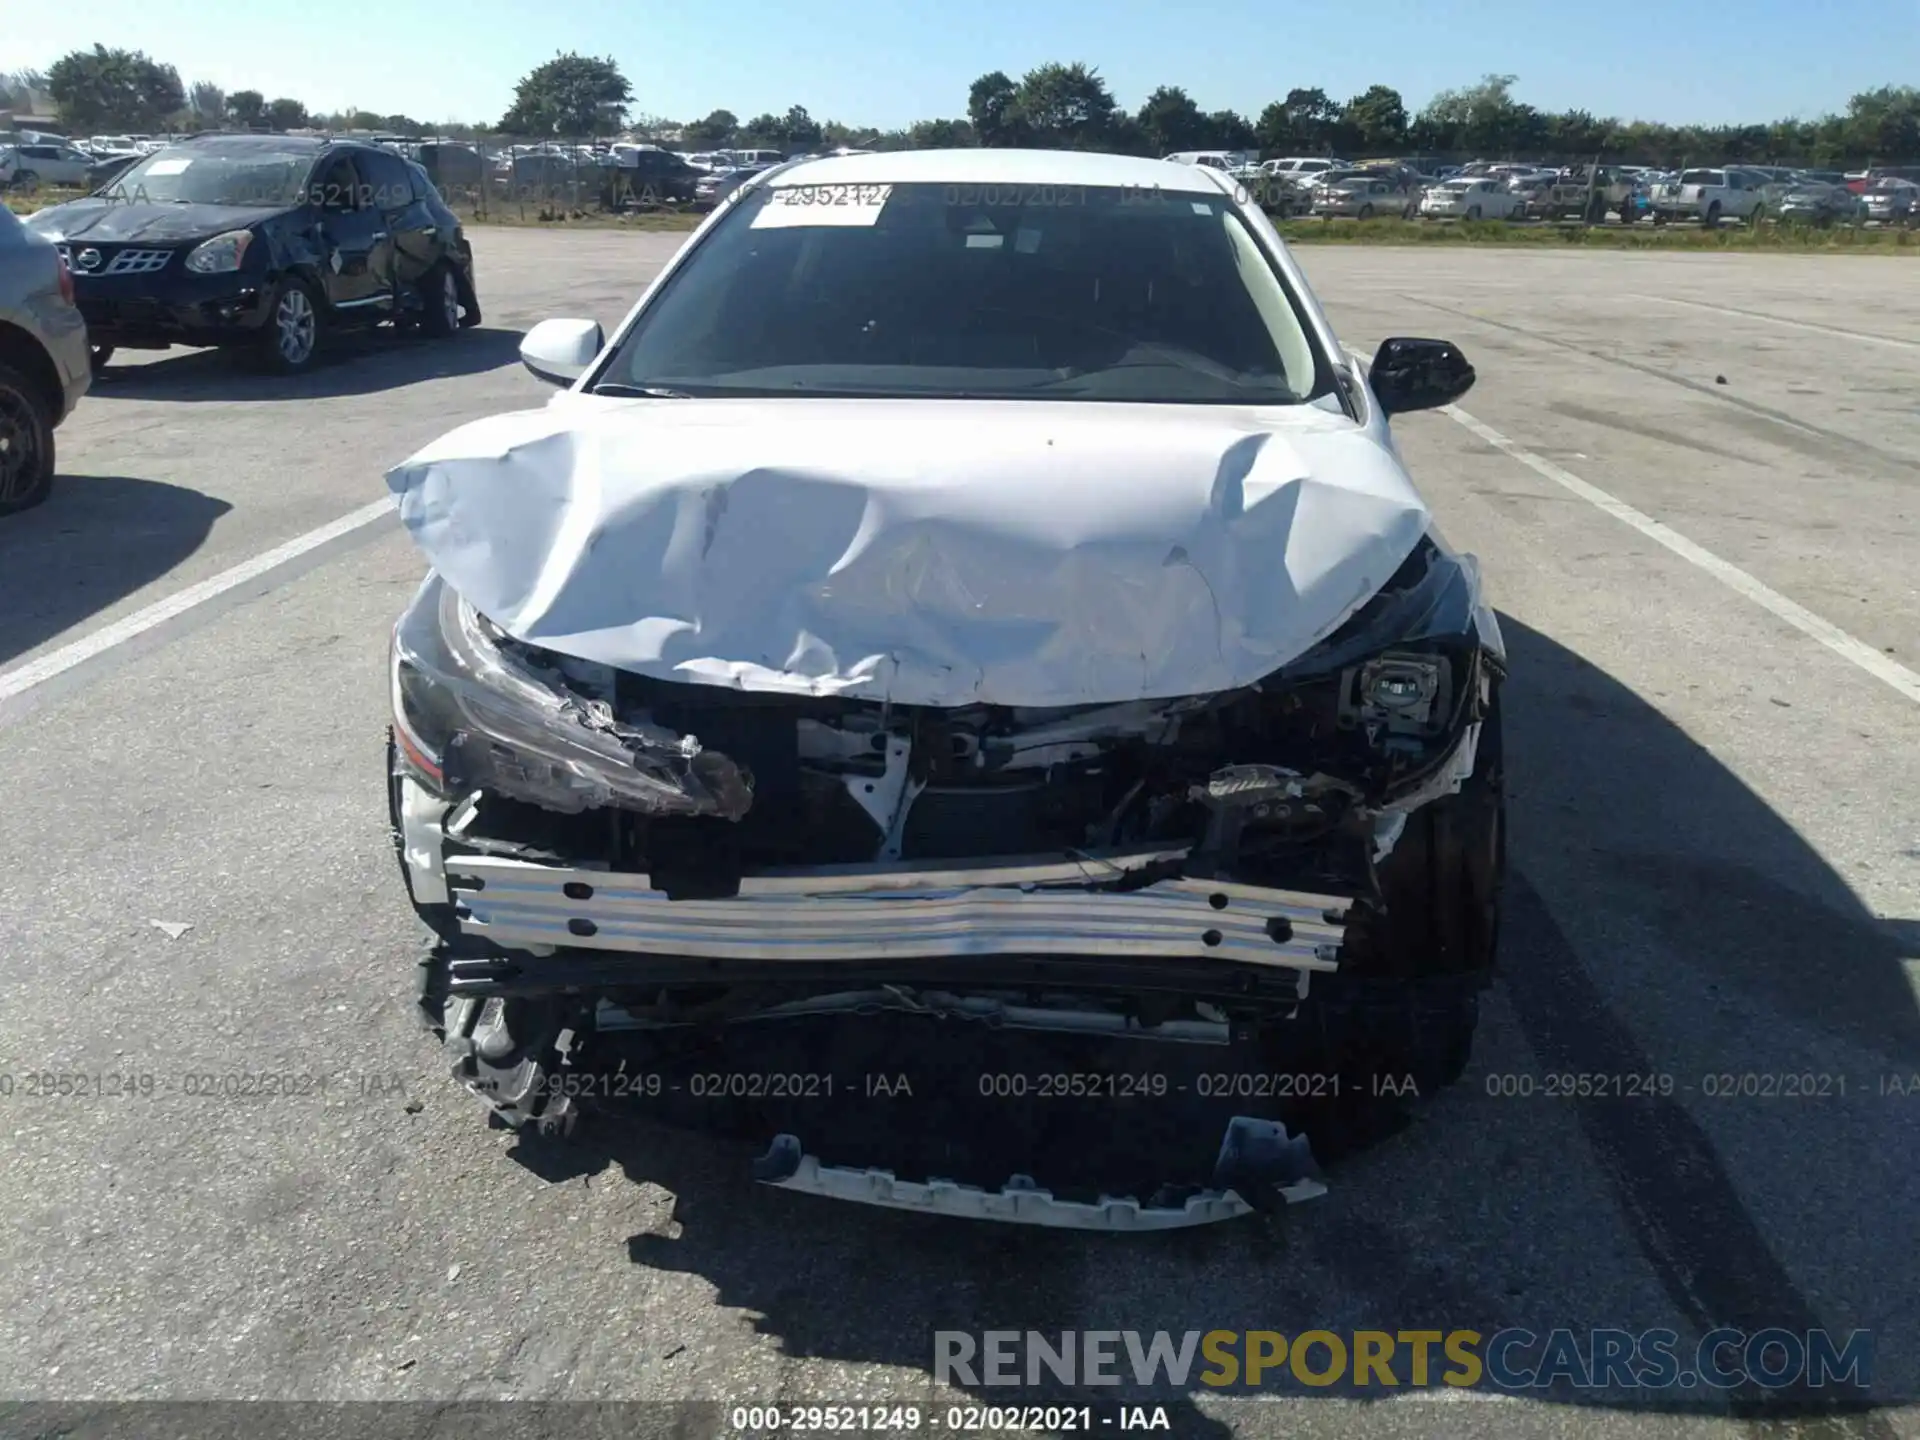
186, 175
965, 291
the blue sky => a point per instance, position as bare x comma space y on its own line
888, 62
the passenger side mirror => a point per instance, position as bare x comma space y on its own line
1418, 375
559, 351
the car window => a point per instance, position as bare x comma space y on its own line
187, 174
1067, 293
384, 176
336, 184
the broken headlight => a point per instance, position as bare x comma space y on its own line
474, 710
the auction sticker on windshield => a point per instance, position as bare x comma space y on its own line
790, 205
168, 167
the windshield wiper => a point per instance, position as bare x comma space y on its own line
639, 392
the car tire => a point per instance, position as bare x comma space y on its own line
1473, 212
1711, 220
100, 355
25, 180
1402, 1027
26, 442
289, 342
440, 301
1365, 212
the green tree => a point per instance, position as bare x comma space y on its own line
940, 135
569, 95
1169, 122
1482, 118
1068, 107
1377, 120
717, 129
248, 108
1305, 121
993, 108
1229, 130
1884, 125
285, 114
17, 88
401, 125
102, 89
208, 102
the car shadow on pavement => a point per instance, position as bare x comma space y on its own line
355, 363
1661, 920
96, 540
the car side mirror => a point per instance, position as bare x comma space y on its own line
559, 351
1418, 375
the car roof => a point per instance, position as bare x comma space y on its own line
221, 144
987, 166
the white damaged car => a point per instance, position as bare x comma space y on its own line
972, 586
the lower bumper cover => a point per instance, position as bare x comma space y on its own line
116, 313
1030, 905
1257, 1157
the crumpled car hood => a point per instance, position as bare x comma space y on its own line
936, 553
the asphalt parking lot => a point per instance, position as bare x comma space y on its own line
1715, 809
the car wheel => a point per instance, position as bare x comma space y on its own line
26, 443
1364, 213
1473, 212
1413, 1011
1757, 218
440, 297
1712, 218
100, 355
25, 180
290, 339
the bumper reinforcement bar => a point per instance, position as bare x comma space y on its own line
1044, 905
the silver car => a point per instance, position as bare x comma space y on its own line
45, 366
1893, 202
1364, 196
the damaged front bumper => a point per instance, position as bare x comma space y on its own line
690, 870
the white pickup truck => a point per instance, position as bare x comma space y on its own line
1710, 196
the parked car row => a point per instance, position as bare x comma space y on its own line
1519, 190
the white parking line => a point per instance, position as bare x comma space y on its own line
1862, 336
1732, 576
23, 678
1890, 672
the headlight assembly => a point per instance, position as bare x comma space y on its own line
221, 254
471, 714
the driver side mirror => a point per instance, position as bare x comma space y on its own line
1418, 375
559, 351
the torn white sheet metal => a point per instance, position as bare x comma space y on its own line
932, 553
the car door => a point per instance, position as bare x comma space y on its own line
411, 231
354, 234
